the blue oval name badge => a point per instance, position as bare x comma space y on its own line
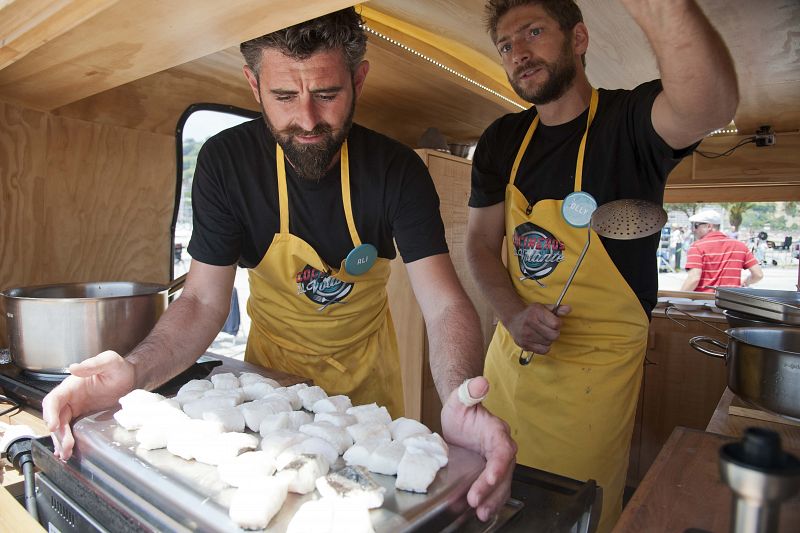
577, 209
360, 259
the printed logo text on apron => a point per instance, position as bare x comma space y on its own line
537, 250
321, 288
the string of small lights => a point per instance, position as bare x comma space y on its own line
441, 66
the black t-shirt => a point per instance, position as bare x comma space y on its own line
624, 158
235, 200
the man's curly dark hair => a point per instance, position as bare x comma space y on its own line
340, 29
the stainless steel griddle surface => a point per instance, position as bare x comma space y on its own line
167, 492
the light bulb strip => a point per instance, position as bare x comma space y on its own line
441, 66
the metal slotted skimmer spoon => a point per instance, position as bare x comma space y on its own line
622, 220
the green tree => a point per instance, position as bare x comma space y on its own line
736, 212
688, 208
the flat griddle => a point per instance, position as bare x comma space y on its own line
164, 492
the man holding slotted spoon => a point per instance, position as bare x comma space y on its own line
536, 176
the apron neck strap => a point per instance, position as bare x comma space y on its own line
348, 206
283, 194
579, 165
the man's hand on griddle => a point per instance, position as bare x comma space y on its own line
94, 384
475, 428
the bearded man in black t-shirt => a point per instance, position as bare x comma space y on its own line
312, 205
537, 176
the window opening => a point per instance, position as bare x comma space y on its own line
196, 125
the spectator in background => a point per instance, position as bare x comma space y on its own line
715, 260
676, 245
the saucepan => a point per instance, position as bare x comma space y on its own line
763, 366
52, 326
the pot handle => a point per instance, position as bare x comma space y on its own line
696, 343
176, 285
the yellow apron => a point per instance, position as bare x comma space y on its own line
571, 411
311, 320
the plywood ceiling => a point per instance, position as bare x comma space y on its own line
70, 51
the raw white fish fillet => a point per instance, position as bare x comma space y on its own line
196, 408
303, 472
272, 423
370, 413
139, 397
297, 386
257, 390
172, 403
432, 444
416, 471
337, 419
188, 396
225, 381
369, 431
274, 443
253, 505
360, 452
386, 457
284, 420
352, 483
231, 418
248, 378
186, 436
329, 515
403, 427
154, 432
137, 414
224, 447
332, 404
291, 396
247, 466
236, 394
299, 418
254, 412
195, 385
310, 396
337, 436
311, 445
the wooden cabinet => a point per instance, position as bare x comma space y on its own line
680, 387
451, 175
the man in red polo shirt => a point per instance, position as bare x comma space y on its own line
716, 260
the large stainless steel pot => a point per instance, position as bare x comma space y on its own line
52, 326
763, 366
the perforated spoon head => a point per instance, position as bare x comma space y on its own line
628, 219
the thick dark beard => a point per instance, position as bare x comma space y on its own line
562, 73
311, 161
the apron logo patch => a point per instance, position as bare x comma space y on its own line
321, 288
537, 250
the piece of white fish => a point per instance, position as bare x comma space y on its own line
302, 473
332, 404
247, 466
310, 396
403, 427
329, 515
354, 483
416, 471
338, 437
221, 448
254, 504
386, 458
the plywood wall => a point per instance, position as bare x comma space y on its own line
451, 176
81, 201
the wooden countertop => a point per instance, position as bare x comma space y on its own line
682, 490
14, 517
